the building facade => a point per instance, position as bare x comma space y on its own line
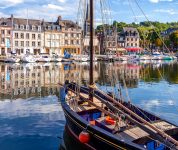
128, 37
27, 36
71, 37
52, 38
5, 36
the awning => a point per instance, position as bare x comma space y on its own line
121, 49
133, 49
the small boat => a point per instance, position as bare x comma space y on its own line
12, 59
28, 59
145, 57
157, 56
81, 58
67, 59
123, 58
56, 58
43, 58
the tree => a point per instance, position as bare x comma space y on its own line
174, 39
158, 42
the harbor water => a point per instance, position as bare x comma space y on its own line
31, 116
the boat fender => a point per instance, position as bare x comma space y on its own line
84, 137
109, 120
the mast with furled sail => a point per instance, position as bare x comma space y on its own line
91, 48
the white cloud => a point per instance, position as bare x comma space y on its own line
157, 1
51, 6
9, 3
62, 1
169, 11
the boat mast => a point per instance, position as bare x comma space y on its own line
91, 47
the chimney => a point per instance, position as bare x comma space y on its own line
59, 18
12, 16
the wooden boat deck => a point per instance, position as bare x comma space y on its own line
137, 133
85, 106
130, 133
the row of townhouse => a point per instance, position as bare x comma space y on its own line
128, 37
22, 36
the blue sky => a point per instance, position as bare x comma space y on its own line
120, 10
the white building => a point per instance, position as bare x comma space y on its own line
27, 36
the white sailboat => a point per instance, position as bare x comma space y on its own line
12, 59
43, 58
28, 59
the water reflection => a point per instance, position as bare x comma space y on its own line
30, 113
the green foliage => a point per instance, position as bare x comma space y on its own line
149, 32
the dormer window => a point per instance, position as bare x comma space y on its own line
27, 27
33, 28
39, 28
16, 26
58, 28
49, 27
21, 27
4, 24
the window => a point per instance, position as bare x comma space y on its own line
57, 44
57, 36
33, 28
16, 26
58, 28
49, 27
49, 36
131, 39
27, 36
2, 31
27, 27
53, 36
22, 35
72, 42
53, 44
72, 35
77, 42
33, 36
16, 43
49, 44
39, 28
66, 42
136, 44
39, 44
27, 43
8, 32
66, 34
21, 27
2, 40
33, 44
39, 36
22, 43
16, 35
131, 44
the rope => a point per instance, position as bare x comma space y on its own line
151, 24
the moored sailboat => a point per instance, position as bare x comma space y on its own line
98, 121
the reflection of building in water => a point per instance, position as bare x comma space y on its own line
78, 72
26, 81
117, 72
23, 81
